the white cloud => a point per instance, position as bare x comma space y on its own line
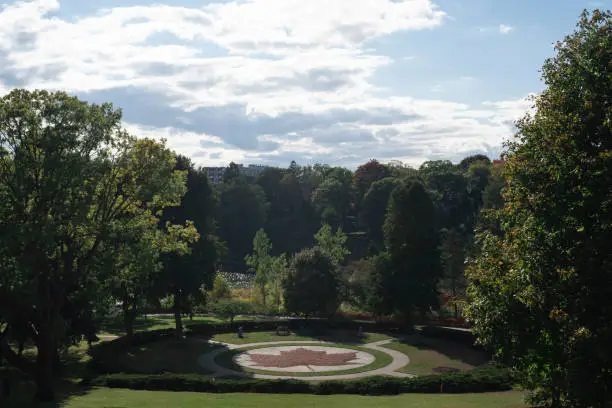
285, 78
505, 29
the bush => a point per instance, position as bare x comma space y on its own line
229, 308
488, 380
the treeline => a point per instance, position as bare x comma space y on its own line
418, 222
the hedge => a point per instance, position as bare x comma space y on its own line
486, 380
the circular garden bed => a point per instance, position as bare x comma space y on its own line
303, 360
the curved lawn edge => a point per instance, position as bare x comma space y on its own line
381, 359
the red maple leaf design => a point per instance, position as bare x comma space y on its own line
302, 356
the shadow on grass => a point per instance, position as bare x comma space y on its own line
23, 392
450, 349
116, 325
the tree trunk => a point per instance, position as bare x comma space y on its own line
128, 318
178, 319
45, 362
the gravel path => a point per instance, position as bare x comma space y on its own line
399, 360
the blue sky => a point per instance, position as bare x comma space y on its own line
270, 81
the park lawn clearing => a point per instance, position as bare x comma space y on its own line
334, 336
381, 360
432, 356
174, 356
115, 326
116, 398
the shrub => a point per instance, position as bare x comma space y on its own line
229, 308
491, 379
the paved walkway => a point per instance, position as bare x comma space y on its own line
399, 360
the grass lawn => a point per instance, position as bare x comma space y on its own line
427, 354
336, 336
115, 325
175, 356
115, 398
381, 360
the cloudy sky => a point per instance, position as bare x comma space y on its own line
270, 81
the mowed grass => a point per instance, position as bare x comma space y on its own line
428, 355
336, 336
174, 356
115, 398
116, 327
382, 359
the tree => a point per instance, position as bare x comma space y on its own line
231, 173
450, 193
277, 275
247, 200
453, 257
374, 208
184, 275
367, 174
332, 244
312, 286
465, 164
380, 285
332, 200
72, 183
230, 308
220, 289
541, 291
260, 262
412, 243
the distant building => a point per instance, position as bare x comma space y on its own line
252, 170
215, 174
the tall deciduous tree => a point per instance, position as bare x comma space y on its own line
541, 292
185, 275
260, 262
367, 174
374, 209
249, 202
332, 244
312, 286
71, 181
412, 242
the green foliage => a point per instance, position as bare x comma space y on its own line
277, 275
332, 244
312, 286
333, 197
469, 161
472, 382
367, 174
260, 262
75, 189
541, 288
374, 208
231, 308
380, 285
412, 243
453, 257
220, 289
247, 200
185, 274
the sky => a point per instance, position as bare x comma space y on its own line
271, 81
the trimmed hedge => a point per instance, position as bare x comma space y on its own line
486, 380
